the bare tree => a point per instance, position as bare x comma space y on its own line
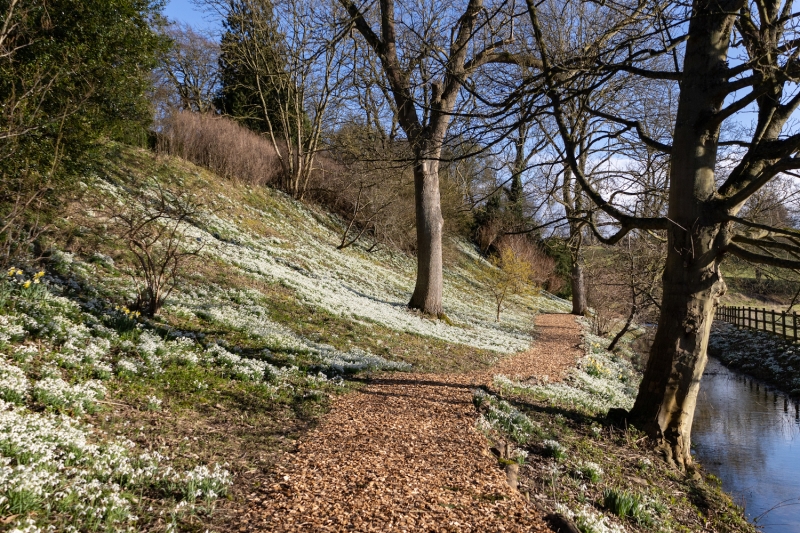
428, 54
294, 60
188, 69
735, 56
625, 283
155, 232
368, 184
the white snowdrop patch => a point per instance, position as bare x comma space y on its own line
589, 520
602, 380
60, 395
54, 463
14, 385
373, 287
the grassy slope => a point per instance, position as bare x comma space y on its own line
774, 291
269, 287
260, 240
269, 281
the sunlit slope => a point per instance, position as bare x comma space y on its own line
266, 236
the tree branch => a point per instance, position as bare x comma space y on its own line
753, 257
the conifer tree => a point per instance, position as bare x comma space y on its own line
248, 91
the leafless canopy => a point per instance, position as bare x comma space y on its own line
188, 76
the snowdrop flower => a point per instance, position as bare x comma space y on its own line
154, 403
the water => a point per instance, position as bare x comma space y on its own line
748, 435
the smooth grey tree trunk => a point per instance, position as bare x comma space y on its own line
668, 392
697, 238
427, 295
579, 305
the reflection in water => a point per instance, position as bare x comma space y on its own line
751, 441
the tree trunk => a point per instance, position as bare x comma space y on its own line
573, 202
668, 392
427, 295
692, 283
625, 328
578, 288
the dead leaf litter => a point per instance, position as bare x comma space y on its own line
403, 454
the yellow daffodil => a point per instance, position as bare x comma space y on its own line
26, 284
38, 274
12, 271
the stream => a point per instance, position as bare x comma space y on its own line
748, 435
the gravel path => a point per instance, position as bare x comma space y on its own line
403, 454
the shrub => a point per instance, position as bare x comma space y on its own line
220, 145
511, 275
542, 265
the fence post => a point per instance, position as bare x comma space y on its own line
749, 317
783, 324
772, 312
794, 326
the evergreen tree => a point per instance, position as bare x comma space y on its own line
253, 80
71, 72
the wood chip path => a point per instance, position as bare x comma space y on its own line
403, 454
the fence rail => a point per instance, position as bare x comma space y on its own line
780, 322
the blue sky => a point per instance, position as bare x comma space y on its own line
186, 11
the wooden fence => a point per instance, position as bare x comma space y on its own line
780, 322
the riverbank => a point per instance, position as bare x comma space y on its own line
759, 354
576, 467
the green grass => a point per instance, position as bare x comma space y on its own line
626, 504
